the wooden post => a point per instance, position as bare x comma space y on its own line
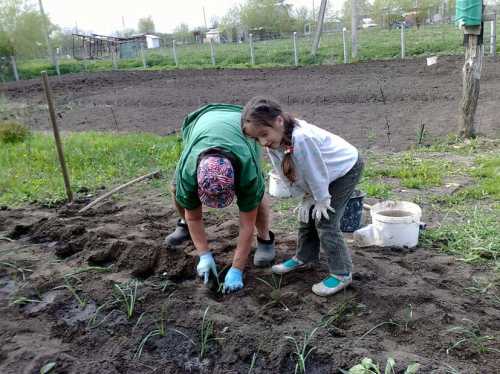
174, 52
143, 56
493, 37
212, 51
14, 67
319, 28
113, 58
56, 59
402, 41
60, 153
252, 54
354, 29
295, 54
471, 77
346, 59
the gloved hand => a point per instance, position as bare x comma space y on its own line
304, 208
321, 209
233, 281
205, 266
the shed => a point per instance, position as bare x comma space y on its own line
152, 41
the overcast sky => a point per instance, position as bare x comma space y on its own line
105, 16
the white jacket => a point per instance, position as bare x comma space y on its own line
320, 157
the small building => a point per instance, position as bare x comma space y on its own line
152, 41
213, 35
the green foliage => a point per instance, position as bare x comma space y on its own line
146, 25
30, 171
367, 366
13, 132
270, 15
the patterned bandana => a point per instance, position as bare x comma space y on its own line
215, 181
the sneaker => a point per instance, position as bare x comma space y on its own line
179, 236
289, 265
332, 284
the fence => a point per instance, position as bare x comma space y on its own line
292, 49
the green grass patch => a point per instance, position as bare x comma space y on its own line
30, 171
379, 190
471, 233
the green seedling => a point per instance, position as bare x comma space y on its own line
127, 295
367, 366
276, 294
206, 334
23, 301
92, 324
161, 330
81, 301
302, 349
470, 334
339, 313
391, 323
17, 269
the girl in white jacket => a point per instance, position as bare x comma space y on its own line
326, 169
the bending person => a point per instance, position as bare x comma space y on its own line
217, 164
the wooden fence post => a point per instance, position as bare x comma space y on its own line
212, 51
344, 42
60, 153
143, 56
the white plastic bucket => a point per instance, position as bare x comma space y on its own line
394, 224
277, 187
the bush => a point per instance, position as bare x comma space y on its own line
13, 132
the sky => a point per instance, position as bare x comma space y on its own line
107, 16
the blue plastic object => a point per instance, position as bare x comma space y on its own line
469, 12
351, 220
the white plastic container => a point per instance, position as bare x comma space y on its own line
277, 187
394, 224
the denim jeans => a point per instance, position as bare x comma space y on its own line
326, 234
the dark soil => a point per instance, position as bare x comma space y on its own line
355, 101
419, 295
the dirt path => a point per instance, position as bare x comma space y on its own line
413, 297
344, 98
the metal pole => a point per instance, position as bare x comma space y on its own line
56, 57
143, 56
113, 58
252, 54
52, 115
402, 41
346, 58
295, 54
493, 38
14, 67
212, 51
174, 53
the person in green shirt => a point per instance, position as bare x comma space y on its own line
217, 164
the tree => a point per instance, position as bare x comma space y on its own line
271, 15
364, 10
146, 25
182, 33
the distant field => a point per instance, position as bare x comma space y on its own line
374, 44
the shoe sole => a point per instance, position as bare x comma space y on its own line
300, 267
323, 293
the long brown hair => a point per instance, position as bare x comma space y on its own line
263, 111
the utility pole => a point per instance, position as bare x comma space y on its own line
52, 56
354, 29
205, 18
319, 28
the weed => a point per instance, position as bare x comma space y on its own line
18, 269
13, 132
276, 294
376, 189
390, 322
81, 301
303, 349
92, 324
127, 295
339, 313
469, 334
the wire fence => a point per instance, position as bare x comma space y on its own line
374, 43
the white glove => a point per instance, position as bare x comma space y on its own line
304, 208
321, 209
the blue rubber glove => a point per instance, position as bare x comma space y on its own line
233, 281
205, 266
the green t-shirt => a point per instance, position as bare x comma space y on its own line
218, 126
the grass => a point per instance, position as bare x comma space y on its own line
81, 301
276, 294
469, 335
375, 43
30, 171
17, 269
207, 334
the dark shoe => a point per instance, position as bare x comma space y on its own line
179, 236
265, 253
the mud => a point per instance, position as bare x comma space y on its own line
380, 104
413, 297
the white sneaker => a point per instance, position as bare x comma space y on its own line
332, 284
287, 266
